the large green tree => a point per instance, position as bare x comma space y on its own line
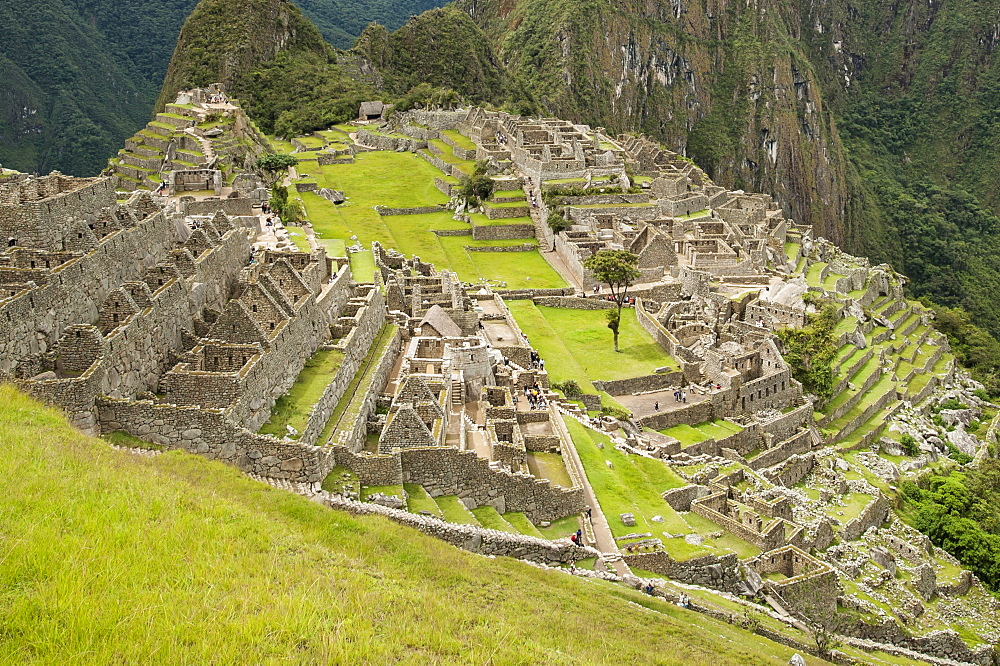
619, 270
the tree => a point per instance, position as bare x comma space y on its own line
480, 186
618, 269
271, 166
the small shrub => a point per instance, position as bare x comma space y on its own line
569, 388
615, 412
910, 446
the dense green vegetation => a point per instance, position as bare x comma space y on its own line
960, 512
207, 566
810, 352
974, 347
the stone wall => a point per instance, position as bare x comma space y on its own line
468, 537
491, 232
354, 347
574, 303
211, 434
872, 515
656, 382
33, 320
718, 573
379, 373
447, 471
798, 443
232, 207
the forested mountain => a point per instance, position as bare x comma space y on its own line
79, 76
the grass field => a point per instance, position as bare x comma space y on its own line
632, 485
693, 434
112, 558
402, 180
576, 344
292, 409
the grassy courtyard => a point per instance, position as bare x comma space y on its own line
576, 344
632, 484
403, 180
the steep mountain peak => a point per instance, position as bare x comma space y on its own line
223, 40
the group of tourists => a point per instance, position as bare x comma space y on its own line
535, 397
536, 361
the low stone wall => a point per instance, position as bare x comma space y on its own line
419, 210
326, 159
656, 382
574, 302
527, 247
445, 187
505, 212
799, 443
718, 573
692, 413
371, 470
447, 471
530, 294
355, 440
872, 515
490, 232
452, 232
210, 434
468, 537
355, 349
232, 207
791, 471
382, 142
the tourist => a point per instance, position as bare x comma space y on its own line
572, 537
656, 406
650, 590
589, 510
684, 396
579, 537
597, 288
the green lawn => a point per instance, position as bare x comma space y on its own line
292, 409
693, 434
520, 522
400, 180
576, 344
454, 511
418, 500
632, 485
460, 139
298, 237
490, 519
549, 466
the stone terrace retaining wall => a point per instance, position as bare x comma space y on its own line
468, 537
574, 303
380, 376
718, 573
211, 434
799, 443
489, 232
447, 471
232, 207
656, 382
872, 515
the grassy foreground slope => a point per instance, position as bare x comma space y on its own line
107, 557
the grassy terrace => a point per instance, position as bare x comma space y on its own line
350, 403
292, 409
576, 344
694, 434
402, 180
298, 238
549, 466
207, 566
460, 139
